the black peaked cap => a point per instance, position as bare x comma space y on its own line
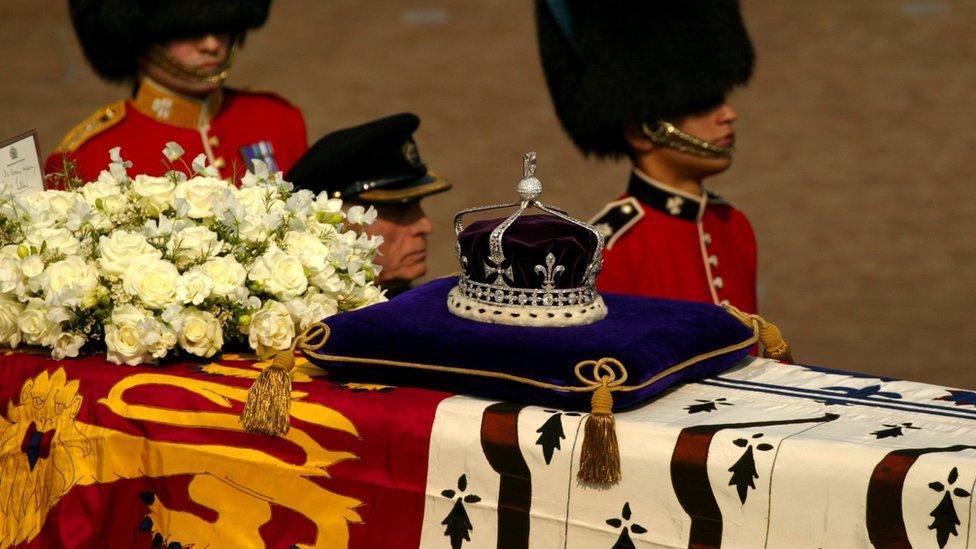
374, 162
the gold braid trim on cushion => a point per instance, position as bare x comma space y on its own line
600, 454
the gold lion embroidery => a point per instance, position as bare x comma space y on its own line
45, 451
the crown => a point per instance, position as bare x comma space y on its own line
528, 270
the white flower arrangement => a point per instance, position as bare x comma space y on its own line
144, 266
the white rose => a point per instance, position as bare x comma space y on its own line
364, 296
271, 328
194, 244
199, 193
70, 282
153, 281
201, 334
280, 274
194, 287
256, 228
308, 248
59, 202
157, 192
11, 276
255, 199
100, 190
58, 240
119, 249
36, 326
123, 336
226, 275
67, 344
10, 310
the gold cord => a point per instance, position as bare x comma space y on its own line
602, 368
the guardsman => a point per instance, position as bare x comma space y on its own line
377, 165
176, 54
649, 81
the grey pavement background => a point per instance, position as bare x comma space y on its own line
855, 161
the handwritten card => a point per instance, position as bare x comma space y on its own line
20, 164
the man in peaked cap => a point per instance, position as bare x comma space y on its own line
176, 54
377, 164
649, 81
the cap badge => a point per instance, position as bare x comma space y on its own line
410, 152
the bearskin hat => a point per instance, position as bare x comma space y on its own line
613, 63
115, 33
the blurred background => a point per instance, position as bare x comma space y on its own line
856, 141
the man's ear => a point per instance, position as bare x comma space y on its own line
638, 140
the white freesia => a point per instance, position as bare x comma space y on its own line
200, 333
173, 151
279, 273
199, 193
315, 307
200, 167
152, 281
120, 249
10, 310
271, 328
67, 344
226, 275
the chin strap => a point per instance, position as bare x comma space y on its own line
161, 58
665, 134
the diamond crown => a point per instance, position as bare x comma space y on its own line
551, 288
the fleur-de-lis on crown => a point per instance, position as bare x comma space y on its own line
549, 273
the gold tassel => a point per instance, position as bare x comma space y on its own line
267, 409
774, 346
600, 455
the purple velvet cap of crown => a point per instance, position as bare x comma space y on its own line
526, 244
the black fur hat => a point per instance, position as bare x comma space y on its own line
114, 33
613, 63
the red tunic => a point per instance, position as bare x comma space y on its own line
231, 128
666, 243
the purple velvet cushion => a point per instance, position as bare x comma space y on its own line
646, 335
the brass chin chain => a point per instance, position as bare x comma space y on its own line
666, 134
161, 58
